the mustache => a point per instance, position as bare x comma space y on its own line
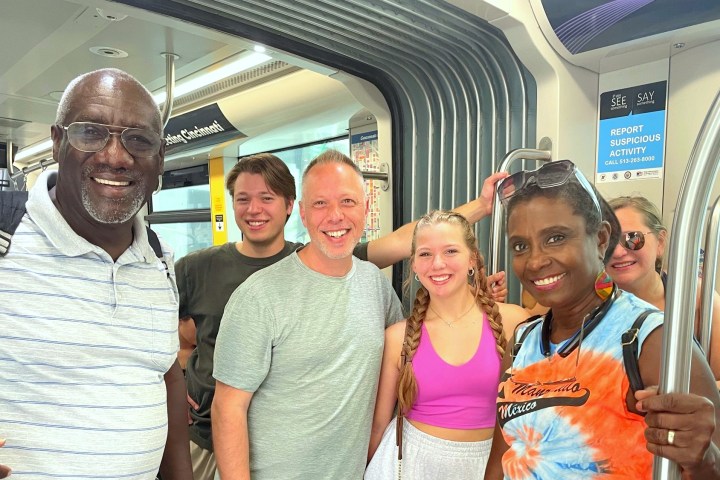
92, 171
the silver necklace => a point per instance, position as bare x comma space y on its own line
450, 323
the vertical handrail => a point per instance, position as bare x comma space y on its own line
496, 232
682, 282
169, 86
9, 153
707, 296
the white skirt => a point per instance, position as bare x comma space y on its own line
427, 458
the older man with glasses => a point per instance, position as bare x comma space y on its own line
91, 385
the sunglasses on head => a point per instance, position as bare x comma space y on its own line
633, 240
549, 175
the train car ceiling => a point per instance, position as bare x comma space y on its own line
458, 96
606, 35
277, 102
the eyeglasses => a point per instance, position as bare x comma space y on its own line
549, 175
633, 240
92, 137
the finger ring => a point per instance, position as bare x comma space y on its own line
671, 437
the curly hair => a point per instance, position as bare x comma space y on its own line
407, 384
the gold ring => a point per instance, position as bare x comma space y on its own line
671, 437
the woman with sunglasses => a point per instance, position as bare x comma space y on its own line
442, 363
636, 263
565, 407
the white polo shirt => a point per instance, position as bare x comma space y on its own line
84, 345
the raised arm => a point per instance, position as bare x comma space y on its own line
692, 418
395, 246
231, 441
387, 387
176, 464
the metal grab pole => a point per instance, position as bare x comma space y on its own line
169, 86
496, 232
9, 155
707, 296
682, 282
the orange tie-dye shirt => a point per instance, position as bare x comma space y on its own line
567, 418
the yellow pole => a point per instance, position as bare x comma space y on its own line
217, 200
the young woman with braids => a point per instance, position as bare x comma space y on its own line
443, 363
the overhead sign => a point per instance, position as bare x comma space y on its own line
631, 136
199, 128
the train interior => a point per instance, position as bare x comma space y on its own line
428, 96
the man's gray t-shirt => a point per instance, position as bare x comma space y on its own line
309, 346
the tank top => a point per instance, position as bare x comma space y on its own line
462, 396
566, 417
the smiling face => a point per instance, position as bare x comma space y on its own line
553, 255
632, 269
109, 186
333, 209
442, 259
260, 213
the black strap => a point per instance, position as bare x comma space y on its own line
526, 332
154, 242
630, 345
12, 209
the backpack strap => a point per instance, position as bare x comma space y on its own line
519, 342
154, 242
630, 346
12, 209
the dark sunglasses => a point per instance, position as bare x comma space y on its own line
92, 137
633, 240
549, 175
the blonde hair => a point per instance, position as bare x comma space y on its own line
650, 214
407, 385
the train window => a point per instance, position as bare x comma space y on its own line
180, 212
183, 189
185, 237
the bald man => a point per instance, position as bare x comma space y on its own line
91, 384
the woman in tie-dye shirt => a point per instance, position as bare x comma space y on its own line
565, 406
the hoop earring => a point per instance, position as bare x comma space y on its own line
471, 272
603, 285
159, 185
417, 279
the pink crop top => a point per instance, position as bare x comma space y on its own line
461, 397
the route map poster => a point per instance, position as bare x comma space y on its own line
631, 133
364, 151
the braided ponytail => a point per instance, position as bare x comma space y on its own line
407, 384
485, 301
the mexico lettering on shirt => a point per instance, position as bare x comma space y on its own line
524, 398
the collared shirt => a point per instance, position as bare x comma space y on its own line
84, 345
